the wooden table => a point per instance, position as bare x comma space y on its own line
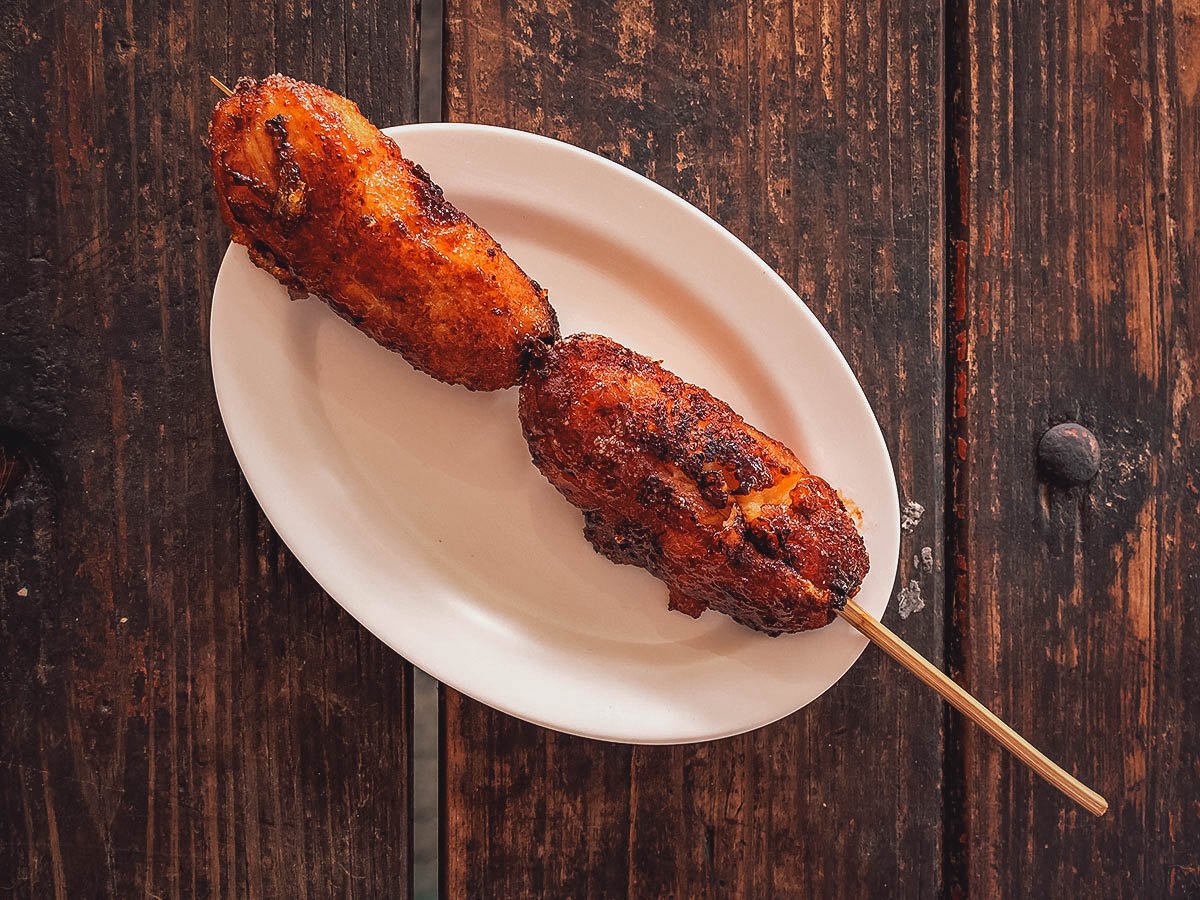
994, 210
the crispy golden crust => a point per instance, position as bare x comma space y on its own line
672, 479
327, 204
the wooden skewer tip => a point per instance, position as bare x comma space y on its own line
956, 696
221, 86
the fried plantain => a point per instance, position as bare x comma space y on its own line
326, 203
672, 479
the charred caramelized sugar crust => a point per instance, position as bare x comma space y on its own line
327, 204
672, 479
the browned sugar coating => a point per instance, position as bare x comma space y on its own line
672, 479
327, 204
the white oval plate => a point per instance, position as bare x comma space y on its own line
415, 505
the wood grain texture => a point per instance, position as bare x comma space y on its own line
182, 711
1075, 141
815, 134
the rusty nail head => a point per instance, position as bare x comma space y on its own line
1068, 454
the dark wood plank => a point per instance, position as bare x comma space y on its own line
182, 711
1075, 139
815, 134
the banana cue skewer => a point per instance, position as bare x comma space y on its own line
668, 477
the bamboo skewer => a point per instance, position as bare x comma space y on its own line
953, 694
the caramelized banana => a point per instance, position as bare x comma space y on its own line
671, 479
326, 203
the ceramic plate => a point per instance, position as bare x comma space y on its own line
416, 507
